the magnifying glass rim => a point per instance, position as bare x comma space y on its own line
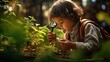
54, 24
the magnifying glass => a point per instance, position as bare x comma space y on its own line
52, 25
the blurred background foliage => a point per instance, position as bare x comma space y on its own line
96, 10
23, 27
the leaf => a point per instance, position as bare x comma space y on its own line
6, 0
18, 5
37, 25
34, 28
32, 18
41, 32
40, 40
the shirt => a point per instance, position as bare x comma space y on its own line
92, 37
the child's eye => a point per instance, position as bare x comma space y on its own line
61, 22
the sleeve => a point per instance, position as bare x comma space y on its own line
92, 38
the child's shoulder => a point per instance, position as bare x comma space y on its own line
84, 22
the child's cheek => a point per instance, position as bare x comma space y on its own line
65, 27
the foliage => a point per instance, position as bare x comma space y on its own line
46, 54
12, 29
104, 54
59, 33
18, 34
12, 37
33, 32
77, 56
101, 56
6, 0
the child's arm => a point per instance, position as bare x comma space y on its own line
92, 38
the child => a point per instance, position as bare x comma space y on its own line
68, 16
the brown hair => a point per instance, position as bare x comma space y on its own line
64, 8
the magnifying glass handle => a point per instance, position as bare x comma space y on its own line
52, 29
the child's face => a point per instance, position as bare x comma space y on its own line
64, 23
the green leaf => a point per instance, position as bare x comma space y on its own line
41, 32
34, 28
6, 0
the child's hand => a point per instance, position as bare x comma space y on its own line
51, 36
66, 45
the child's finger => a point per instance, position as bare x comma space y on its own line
50, 33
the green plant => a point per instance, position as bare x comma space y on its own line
104, 54
12, 37
18, 34
33, 31
46, 54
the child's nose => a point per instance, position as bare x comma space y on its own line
60, 25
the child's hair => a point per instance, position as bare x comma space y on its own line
66, 9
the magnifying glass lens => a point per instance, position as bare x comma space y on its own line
53, 24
